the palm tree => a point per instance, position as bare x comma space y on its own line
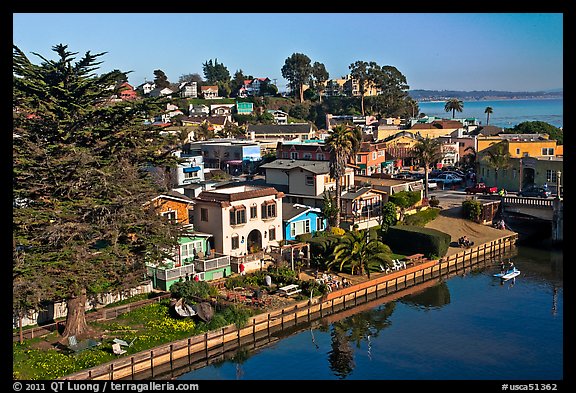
497, 157
454, 104
360, 253
488, 111
428, 151
344, 142
470, 158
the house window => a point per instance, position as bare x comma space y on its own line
518, 151
320, 156
187, 250
235, 242
294, 155
203, 214
299, 227
170, 215
374, 155
307, 156
191, 175
268, 209
358, 158
547, 151
550, 176
272, 233
285, 155
238, 215
320, 224
310, 180
253, 211
381, 153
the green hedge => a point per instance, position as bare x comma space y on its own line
414, 240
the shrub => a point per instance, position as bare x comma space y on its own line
472, 209
422, 217
411, 239
190, 290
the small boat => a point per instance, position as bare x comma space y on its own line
183, 309
508, 274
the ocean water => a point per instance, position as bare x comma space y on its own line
468, 327
506, 113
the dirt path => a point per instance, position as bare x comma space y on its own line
450, 221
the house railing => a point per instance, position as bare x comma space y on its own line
257, 256
171, 274
206, 264
190, 268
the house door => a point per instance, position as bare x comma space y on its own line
528, 177
254, 241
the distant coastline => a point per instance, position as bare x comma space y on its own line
432, 101
488, 95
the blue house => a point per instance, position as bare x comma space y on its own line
300, 219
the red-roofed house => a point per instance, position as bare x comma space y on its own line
127, 92
209, 92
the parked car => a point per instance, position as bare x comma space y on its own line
535, 191
446, 178
481, 188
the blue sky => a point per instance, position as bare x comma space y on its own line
439, 51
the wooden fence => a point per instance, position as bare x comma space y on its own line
104, 314
263, 329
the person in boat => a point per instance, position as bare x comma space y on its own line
511, 267
502, 267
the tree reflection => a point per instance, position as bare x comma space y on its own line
354, 330
433, 297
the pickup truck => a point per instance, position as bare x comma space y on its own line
481, 188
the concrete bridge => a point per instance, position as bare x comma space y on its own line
544, 209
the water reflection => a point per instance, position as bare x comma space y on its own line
351, 343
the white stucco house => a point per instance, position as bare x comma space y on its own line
244, 219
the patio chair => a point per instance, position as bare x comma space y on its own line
117, 349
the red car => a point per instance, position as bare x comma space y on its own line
481, 188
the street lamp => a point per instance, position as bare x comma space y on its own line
558, 173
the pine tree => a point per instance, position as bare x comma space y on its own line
82, 221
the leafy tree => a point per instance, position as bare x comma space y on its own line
428, 151
160, 79
469, 158
361, 254
329, 209
297, 70
344, 142
538, 127
205, 131
217, 74
497, 157
238, 81
454, 104
231, 130
413, 105
83, 222
488, 112
387, 216
364, 73
392, 99
405, 200
320, 76
195, 77
299, 111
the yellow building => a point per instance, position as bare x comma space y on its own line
522, 145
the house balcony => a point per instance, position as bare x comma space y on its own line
190, 266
